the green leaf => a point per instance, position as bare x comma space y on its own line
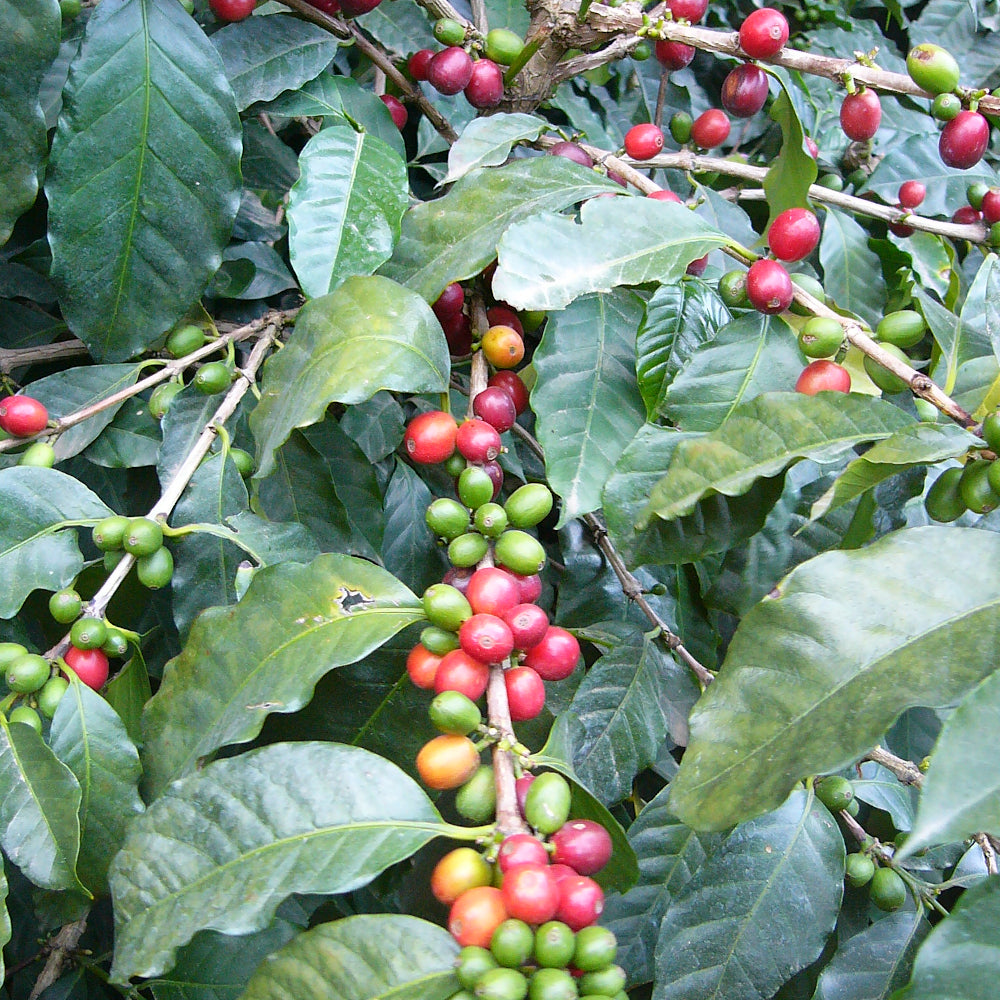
959, 795
265, 655
29, 41
669, 853
757, 911
132, 439
960, 960
456, 236
487, 142
127, 693
31, 555
271, 276
39, 800
5, 925
144, 180
958, 28
870, 965
679, 318
879, 787
403, 28
345, 208
585, 396
91, 740
748, 356
264, 56
369, 334
282, 541
796, 697
547, 261
852, 273
376, 426
410, 550
716, 524
787, 181
366, 957
916, 445
221, 848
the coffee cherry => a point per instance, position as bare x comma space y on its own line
520, 552
966, 216
445, 606
944, 501
903, 328
472, 962
22, 416
232, 10
673, 55
964, 140
185, 339
861, 115
27, 716
457, 872
331, 7
571, 151
932, 68
212, 378
417, 64
396, 109
555, 944
116, 644
475, 915
496, 407
552, 984
430, 437
451, 712
65, 605
28, 673
991, 430
556, 656
745, 90
887, 890
975, 489
447, 761
51, 694
697, 267
583, 845
143, 536
710, 129
521, 849
161, 398
733, 289
596, 948
512, 943
503, 46
447, 518
643, 142
763, 33
530, 893
458, 671
528, 505
581, 902
859, 869
486, 638
502, 984
606, 982
665, 195
945, 107
835, 792
9, 652
525, 693
485, 86
794, 234
90, 665
990, 205
40, 455
155, 570
490, 520
503, 347
886, 380
476, 800
769, 287
448, 31
680, 129
478, 441
528, 625
911, 194
355, 8
823, 376
450, 302
492, 591
546, 806
820, 337
687, 10
450, 70
530, 587
502, 316
422, 666
475, 487
511, 383
88, 633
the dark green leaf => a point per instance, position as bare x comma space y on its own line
369, 334
246, 832
410, 552
39, 825
270, 275
487, 142
403, 28
182, 425
547, 261
90, 739
130, 441
367, 957
377, 425
5, 925
144, 181
879, 787
757, 911
794, 169
852, 274
797, 697
127, 693
29, 42
267, 162
345, 208
585, 396
954, 25
264, 56
265, 655
280, 541
34, 500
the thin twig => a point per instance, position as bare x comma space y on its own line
989, 854
19, 357
480, 16
661, 98
60, 946
621, 47
905, 770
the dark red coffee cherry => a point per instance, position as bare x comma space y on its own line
495, 406
642, 142
458, 333
417, 64
502, 316
911, 194
964, 140
710, 129
745, 90
673, 55
571, 151
396, 109
861, 115
511, 383
355, 8
477, 441
687, 10
769, 287
485, 86
450, 302
583, 845
793, 234
697, 267
966, 215
763, 34
450, 70
990, 205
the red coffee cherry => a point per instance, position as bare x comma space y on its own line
642, 142
812, 147
964, 140
571, 151
430, 437
485, 86
327, 6
493, 591
911, 194
475, 915
502, 316
861, 115
556, 656
530, 894
763, 34
673, 55
793, 234
530, 587
355, 8
697, 267
417, 64
823, 376
511, 383
422, 665
525, 693
528, 624
990, 206
583, 845
495, 406
22, 416
477, 441
449, 303
232, 10
450, 70
665, 195
493, 470
769, 287
458, 333
486, 638
90, 665
521, 848
581, 901
458, 671
745, 90
688, 10
966, 216
396, 109
710, 129
521, 787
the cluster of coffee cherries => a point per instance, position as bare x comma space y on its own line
886, 888
142, 537
974, 486
35, 687
525, 914
983, 205
453, 69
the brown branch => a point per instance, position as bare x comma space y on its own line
989, 854
479, 16
59, 947
442, 8
19, 357
905, 770
617, 49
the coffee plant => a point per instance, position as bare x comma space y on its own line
498, 501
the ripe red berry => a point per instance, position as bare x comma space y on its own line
964, 140
485, 86
583, 845
327, 6
793, 234
458, 671
528, 624
511, 383
450, 70
486, 638
522, 848
502, 316
710, 129
355, 8
769, 287
571, 151
990, 206
911, 194
493, 591
763, 33
477, 441
430, 437
90, 665
745, 90
525, 693
673, 55
529, 586
495, 406
521, 787
642, 142
530, 894
458, 333
581, 901
966, 216
493, 470
688, 10
232, 10
417, 64
422, 665
22, 416
823, 376
861, 115
396, 109
556, 656
665, 195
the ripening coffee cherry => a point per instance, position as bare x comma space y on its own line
485, 86
475, 915
794, 234
823, 376
521, 849
447, 761
745, 90
687, 10
450, 70
477, 441
673, 55
763, 33
911, 194
422, 666
496, 407
232, 10
457, 872
710, 129
430, 437
396, 109
417, 64
932, 68
503, 347
22, 416
861, 115
571, 151
964, 140
643, 142
769, 287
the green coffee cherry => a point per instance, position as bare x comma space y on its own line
832, 182
467, 549
642, 51
491, 520
471, 963
820, 337
552, 984
859, 869
449, 31
503, 46
945, 107
212, 377
886, 380
903, 328
9, 652
143, 536
243, 461
438, 640
733, 289
512, 943
475, 487
27, 716
109, 534
88, 633
887, 890
184, 340
454, 464
476, 800
116, 644
65, 605
555, 944
28, 673
528, 505
447, 518
40, 455
546, 806
452, 712
520, 552
975, 193
932, 68
156, 569
605, 982
112, 559
51, 694
975, 489
445, 606
808, 284
161, 398
991, 430
835, 792
596, 948
944, 501
502, 984
680, 127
